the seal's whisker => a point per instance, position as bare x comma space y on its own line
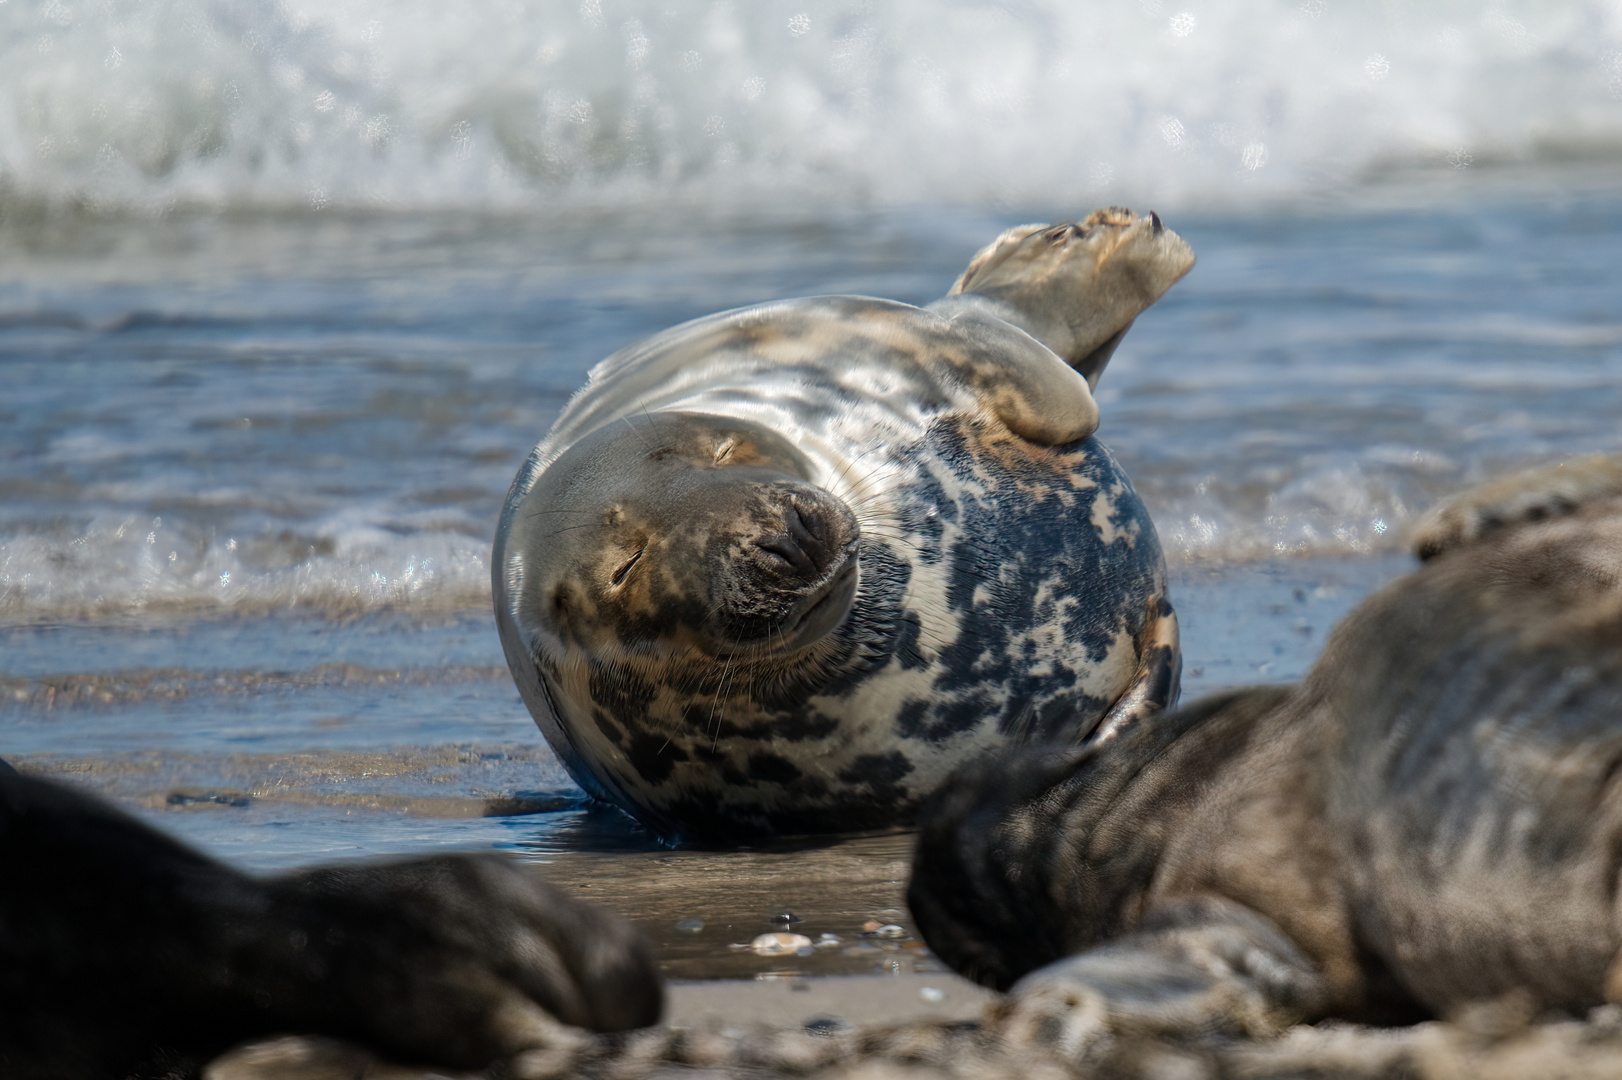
851, 464
572, 528
726, 674
638, 434
715, 692
541, 513
859, 488
899, 539
891, 533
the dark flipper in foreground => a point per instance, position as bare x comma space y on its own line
125, 953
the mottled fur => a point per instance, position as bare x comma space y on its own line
1431, 818
781, 569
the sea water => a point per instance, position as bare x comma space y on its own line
288, 291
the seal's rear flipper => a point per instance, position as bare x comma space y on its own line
1077, 286
1196, 964
1158, 682
1092, 365
1533, 495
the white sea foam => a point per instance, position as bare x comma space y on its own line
131, 565
410, 103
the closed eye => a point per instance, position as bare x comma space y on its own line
625, 568
724, 451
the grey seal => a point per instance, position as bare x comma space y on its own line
779, 570
125, 953
1433, 817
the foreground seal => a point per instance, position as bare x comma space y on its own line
1433, 817
124, 953
782, 568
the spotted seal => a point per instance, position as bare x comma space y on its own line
780, 569
1434, 816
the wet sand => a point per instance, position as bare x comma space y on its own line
702, 909
727, 1030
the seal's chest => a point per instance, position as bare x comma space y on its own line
1029, 571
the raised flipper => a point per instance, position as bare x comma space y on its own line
1532, 495
1076, 287
1198, 964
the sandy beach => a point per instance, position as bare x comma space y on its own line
288, 293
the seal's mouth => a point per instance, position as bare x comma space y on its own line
825, 607
818, 612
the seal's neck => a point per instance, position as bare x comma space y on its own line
1087, 356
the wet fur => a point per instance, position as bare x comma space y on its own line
1431, 818
125, 954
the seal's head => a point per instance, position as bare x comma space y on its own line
674, 534
1077, 287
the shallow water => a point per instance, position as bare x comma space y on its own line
250, 468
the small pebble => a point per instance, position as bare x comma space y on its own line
779, 944
827, 1026
932, 994
891, 930
787, 918
871, 926
827, 941
690, 926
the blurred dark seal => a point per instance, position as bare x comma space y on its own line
781, 569
1432, 818
126, 954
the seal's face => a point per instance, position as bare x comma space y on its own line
681, 533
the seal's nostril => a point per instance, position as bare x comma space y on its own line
804, 543
793, 554
802, 532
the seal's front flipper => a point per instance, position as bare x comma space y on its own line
1197, 964
1158, 681
1533, 495
1016, 378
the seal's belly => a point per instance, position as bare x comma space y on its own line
1003, 596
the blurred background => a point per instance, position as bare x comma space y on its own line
288, 290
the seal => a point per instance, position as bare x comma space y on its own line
1433, 817
125, 953
780, 569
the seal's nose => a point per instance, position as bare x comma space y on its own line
807, 545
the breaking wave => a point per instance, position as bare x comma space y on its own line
129, 566
153, 103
